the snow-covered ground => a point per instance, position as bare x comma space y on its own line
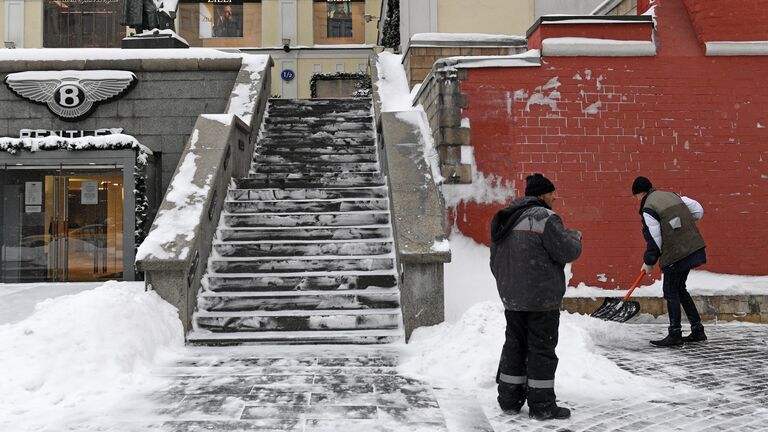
74, 352
79, 352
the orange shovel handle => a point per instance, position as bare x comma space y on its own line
634, 285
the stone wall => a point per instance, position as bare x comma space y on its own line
418, 61
749, 308
442, 100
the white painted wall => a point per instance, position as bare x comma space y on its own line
417, 16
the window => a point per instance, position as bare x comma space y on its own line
235, 23
316, 68
82, 24
339, 67
339, 21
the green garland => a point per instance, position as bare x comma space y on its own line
362, 86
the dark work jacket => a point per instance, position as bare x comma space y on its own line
682, 246
529, 250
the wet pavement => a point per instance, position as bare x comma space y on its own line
360, 389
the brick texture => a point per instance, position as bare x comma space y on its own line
692, 124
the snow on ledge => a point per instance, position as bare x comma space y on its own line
574, 46
527, 59
426, 38
64, 54
728, 48
117, 141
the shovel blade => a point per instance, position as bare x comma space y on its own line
615, 309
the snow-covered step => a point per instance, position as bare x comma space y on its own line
299, 320
315, 141
297, 338
292, 120
314, 150
312, 128
306, 300
304, 206
299, 194
316, 167
305, 219
319, 134
307, 248
314, 281
334, 180
332, 158
299, 264
304, 233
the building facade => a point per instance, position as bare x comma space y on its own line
304, 37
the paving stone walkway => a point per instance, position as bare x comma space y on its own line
331, 390
360, 389
730, 370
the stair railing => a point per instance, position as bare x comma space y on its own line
175, 253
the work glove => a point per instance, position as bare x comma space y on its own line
647, 269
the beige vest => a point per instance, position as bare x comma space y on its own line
679, 234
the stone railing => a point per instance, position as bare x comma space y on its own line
419, 220
174, 255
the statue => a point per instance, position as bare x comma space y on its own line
144, 15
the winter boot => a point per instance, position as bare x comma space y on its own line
551, 412
697, 335
674, 338
511, 397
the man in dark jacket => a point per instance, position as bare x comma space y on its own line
529, 250
673, 240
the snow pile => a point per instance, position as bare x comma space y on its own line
183, 219
421, 39
76, 357
393, 83
392, 87
700, 282
466, 355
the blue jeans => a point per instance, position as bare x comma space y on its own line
676, 296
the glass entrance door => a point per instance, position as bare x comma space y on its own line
61, 224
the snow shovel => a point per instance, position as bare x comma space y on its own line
622, 310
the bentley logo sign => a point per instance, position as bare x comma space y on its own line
71, 95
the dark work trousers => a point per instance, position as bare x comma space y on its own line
676, 295
528, 360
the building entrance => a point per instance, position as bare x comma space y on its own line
61, 224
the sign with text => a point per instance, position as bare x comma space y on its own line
89, 192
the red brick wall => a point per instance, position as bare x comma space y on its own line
731, 20
688, 122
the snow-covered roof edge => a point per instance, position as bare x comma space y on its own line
733, 48
574, 46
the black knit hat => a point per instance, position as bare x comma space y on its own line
640, 185
537, 185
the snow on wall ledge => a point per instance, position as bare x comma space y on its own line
245, 94
65, 54
727, 48
182, 219
106, 142
576, 46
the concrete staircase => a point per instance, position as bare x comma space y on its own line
304, 252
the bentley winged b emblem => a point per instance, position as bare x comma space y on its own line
70, 94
